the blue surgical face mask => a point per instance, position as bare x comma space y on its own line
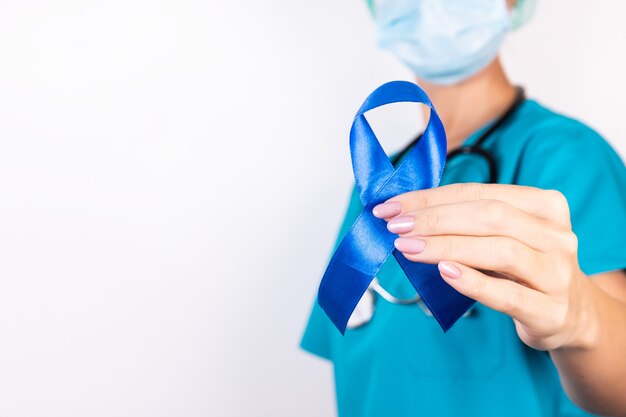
442, 41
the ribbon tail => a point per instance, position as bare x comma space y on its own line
358, 258
445, 303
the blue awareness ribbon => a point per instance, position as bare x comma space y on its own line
368, 243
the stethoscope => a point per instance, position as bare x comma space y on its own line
364, 310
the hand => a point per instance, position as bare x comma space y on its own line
508, 247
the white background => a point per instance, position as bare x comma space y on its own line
172, 177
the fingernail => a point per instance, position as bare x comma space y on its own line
388, 209
449, 270
409, 245
401, 224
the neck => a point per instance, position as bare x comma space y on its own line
467, 106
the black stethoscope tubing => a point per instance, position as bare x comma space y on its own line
476, 148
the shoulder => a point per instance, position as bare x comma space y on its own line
546, 128
546, 140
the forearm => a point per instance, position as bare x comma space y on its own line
594, 373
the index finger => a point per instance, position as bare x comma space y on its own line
548, 204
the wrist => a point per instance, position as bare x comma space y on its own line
584, 321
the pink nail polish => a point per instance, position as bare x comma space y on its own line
401, 224
409, 245
449, 270
388, 209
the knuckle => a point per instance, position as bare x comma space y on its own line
443, 248
450, 249
474, 191
420, 199
477, 288
570, 242
512, 300
558, 282
562, 273
557, 202
495, 214
431, 219
559, 314
506, 252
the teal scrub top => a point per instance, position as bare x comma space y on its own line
402, 364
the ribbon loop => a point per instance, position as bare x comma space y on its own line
370, 164
368, 243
